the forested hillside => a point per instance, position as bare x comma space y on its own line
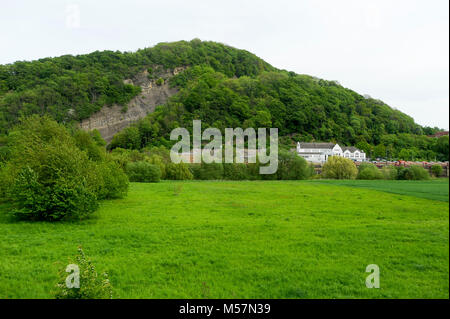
73, 87
222, 86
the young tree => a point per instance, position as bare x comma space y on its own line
436, 170
338, 167
50, 177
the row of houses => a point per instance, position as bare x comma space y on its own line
319, 152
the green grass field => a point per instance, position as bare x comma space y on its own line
299, 239
433, 189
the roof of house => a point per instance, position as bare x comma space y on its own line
352, 149
349, 148
317, 145
310, 153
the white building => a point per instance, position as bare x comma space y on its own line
319, 152
353, 153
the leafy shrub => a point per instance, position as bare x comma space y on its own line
53, 175
4, 153
389, 172
413, 173
158, 161
143, 172
85, 142
160, 81
338, 167
49, 175
292, 167
418, 173
120, 156
92, 285
4, 181
253, 171
178, 171
436, 169
114, 181
369, 171
235, 171
401, 172
207, 171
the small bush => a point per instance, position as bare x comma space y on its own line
92, 285
85, 142
253, 171
207, 171
235, 171
49, 176
369, 171
292, 167
178, 171
389, 172
413, 173
338, 167
401, 172
114, 181
158, 160
160, 81
62, 198
5, 177
436, 170
53, 175
143, 172
418, 173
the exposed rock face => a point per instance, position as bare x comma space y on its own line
110, 120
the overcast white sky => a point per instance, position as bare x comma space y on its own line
396, 51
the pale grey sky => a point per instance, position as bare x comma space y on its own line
393, 50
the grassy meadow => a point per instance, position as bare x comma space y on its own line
246, 239
436, 189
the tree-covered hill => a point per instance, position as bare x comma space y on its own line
222, 86
73, 87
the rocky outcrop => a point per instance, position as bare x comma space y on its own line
112, 119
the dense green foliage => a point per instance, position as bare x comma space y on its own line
178, 172
389, 172
370, 171
338, 167
246, 239
207, 171
238, 171
414, 172
143, 172
91, 284
292, 167
73, 87
436, 170
224, 87
302, 107
47, 176
51, 175
112, 181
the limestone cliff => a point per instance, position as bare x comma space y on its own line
111, 119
